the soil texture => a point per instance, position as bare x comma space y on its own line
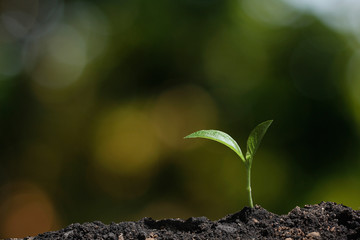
326, 220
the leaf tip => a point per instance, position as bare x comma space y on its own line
192, 135
267, 123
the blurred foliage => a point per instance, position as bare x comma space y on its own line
95, 98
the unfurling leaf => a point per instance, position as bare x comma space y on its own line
255, 138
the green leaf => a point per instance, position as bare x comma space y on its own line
220, 137
255, 138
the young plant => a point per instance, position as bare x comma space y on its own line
253, 143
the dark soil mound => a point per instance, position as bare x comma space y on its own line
321, 221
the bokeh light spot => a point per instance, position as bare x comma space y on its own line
10, 60
26, 211
179, 111
125, 141
61, 61
271, 12
342, 190
19, 16
93, 25
68, 46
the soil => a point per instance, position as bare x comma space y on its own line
326, 220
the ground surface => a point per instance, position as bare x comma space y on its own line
321, 221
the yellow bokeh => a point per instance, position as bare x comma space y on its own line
180, 111
26, 211
342, 190
125, 141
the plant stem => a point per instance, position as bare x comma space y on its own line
248, 168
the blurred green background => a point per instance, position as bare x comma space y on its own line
96, 97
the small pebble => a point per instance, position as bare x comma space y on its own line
313, 234
66, 235
225, 228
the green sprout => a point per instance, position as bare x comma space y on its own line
253, 143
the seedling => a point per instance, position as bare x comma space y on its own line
253, 143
